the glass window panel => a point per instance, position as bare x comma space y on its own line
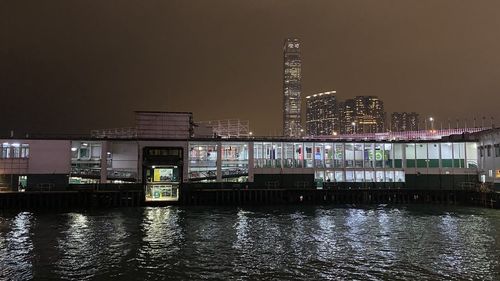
203, 160
288, 161
358, 155
459, 155
369, 176
349, 176
319, 150
298, 155
399, 176
328, 155
16, 151
338, 155
421, 155
389, 176
446, 155
379, 176
368, 155
388, 155
339, 176
349, 155
96, 151
433, 155
360, 176
471, 155
309, 154
398, 155
410, 155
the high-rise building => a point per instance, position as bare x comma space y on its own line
404, 121
370, 114
322, 114
347, 116
292, 88
363, 114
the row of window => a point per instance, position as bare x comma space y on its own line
487, 149
15, 150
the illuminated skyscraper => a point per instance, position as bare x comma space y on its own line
321, 114
370, 114
292, 88
363, 114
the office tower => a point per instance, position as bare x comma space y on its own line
321, 114
363, 114
347, 116
404, 121
291, 88
370, 114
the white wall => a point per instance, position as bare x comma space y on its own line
125, 155
49, 156
491, 163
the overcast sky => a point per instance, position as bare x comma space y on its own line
70, 66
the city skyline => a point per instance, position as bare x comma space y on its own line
65, 73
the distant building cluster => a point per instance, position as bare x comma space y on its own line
325, 114
404, 121
328, 116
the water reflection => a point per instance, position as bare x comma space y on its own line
16, 247
283, 243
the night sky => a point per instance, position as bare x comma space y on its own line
70, 66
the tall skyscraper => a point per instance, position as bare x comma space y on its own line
292, 88
404, 121
321, 115
347, 115
363, 114
370, 114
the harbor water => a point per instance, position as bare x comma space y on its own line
377, 242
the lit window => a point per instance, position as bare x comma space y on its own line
5, 150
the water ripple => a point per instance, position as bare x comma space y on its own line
281, 243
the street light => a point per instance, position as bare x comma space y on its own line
432, 123
354, 127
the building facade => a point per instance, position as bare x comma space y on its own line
404, 121
292, 64
361, 115
162, 166
322, 116
370, 114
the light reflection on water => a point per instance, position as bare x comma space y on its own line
275, 243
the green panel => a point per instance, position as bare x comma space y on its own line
433, 163
410, 163
447, 163
421, 163
459, 163
398, 163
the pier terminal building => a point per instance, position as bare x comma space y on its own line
163, 152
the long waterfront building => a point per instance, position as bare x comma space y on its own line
163, 165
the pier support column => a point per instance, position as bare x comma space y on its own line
104, 162
250, 161
219, 161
